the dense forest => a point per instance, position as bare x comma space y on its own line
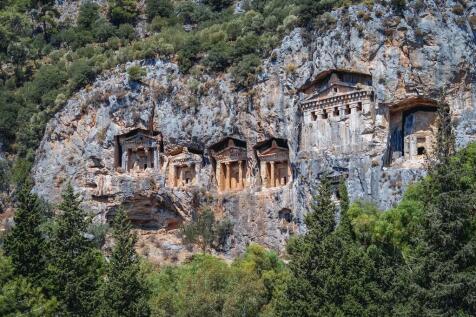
416, 259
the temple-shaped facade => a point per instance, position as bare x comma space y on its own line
230, 156
138, 150
273, 156
337, 108
413, 131
184, 167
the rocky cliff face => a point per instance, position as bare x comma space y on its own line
413, 59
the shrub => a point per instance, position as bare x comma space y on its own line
219, 57
122, 11
244, 74
218, 5
136, 73
81, 73
88, 14
126, 31
103, 30
159, 8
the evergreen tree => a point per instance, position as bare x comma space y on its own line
125, 292
19, 298
443, 268
332, 274
25, 243
75, 268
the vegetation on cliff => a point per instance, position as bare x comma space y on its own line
45, 57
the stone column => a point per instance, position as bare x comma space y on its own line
289, 172
240, 175
227, 177
262, 170
128, 161
273, 177
197, 170
218, 173
124, 160
181, 176
147, 155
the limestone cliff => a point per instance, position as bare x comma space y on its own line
412, 59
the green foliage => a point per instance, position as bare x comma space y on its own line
19, 298
444, 261
88, 14
218, 5
122, 11
136, 73
25, 243
206, 231
4, 176
75, 265
397, 226
245, 73
208, 286
81, 73
125, 291
159, 8
332, 274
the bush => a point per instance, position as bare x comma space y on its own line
244, 74
219, 57
208, 286
122, 11
126, 31
159, 8
218, 5
81, 73
136, 73
88, 14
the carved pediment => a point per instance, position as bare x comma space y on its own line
185, 158
233, 153
331, 91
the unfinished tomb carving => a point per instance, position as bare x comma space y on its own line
184, 166
138, 150
273, 156
412, 131
338, 108
230, 164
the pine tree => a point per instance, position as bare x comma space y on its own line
75, 268
19, 298
443, 268
332, 274
25, 243
125, 291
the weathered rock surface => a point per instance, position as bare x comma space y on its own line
429, 53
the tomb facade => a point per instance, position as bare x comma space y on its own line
338, 108
138, 150
184, 166
230, 157
412, 132
273, 156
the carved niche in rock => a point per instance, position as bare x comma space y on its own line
338, 107
184, 167
273, 156
231, 164
412, 131
138, 150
